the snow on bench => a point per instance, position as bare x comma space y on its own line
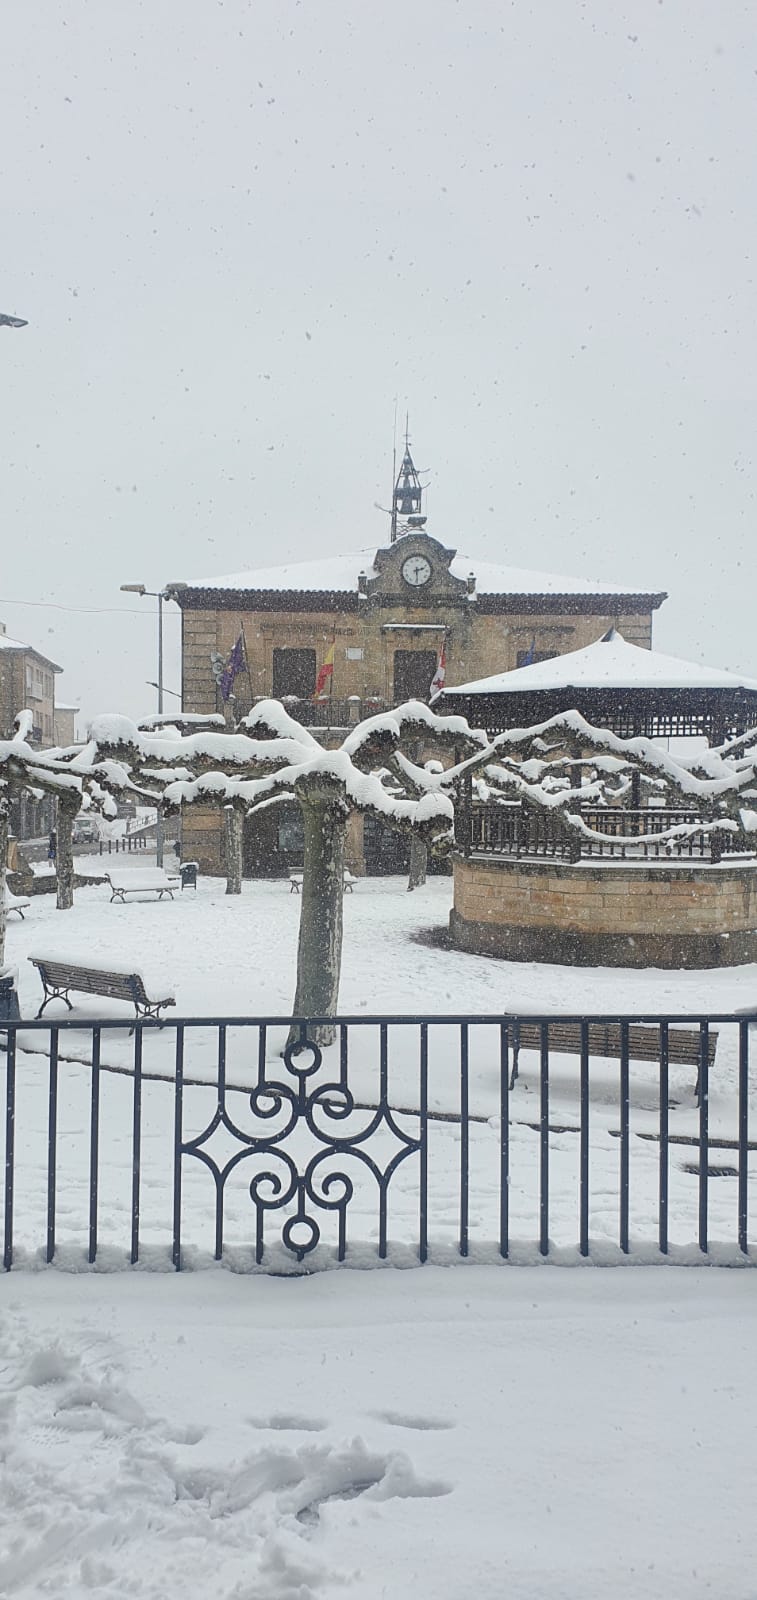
13, 902
295, 880
151, 882
60, 975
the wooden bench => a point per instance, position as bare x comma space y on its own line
564, 1038
295, 880
59, 977
13, 903
156, 882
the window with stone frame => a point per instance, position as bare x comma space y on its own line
413, 674
294, 673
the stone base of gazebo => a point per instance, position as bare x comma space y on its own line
608, 914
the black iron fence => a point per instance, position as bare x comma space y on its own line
433, 1137
331, 712
127, 842
510, 829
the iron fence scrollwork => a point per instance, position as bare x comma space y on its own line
293, 1104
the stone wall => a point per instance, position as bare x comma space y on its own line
610, 914
477, 645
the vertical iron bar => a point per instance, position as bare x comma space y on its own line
383, 1102
664, 1145
383, 1066
259, 1234
221, 1107
343, 1056
743, 1134
10, 1146
177, 1144
504, 1141
52, 1143
382, 1221
136, 1143
584, 1143
464, 1139
423, 1153
544, 1142
624, 1137
94, 1144
704, 1131
262, 1045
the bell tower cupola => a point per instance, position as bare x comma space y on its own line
407, 496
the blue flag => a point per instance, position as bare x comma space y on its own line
530, 653
236, 663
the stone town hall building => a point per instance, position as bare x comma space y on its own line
383, 617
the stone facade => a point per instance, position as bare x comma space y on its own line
609, 914
382, 629
27, 683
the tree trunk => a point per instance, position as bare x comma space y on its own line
233, 830
418, 862
319, 952
3, 869
64, 853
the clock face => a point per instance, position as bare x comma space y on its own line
416, 571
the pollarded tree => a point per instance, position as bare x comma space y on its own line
371, 773
72, 781
271, 758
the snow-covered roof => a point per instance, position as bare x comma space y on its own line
331, 574
610, 663
18, 644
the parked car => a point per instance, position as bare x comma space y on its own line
86, 831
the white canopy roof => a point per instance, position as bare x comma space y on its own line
609, 663
339, 573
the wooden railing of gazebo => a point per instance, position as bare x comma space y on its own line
511, 829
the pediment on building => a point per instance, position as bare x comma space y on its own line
415, 568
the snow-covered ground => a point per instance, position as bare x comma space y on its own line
484, 1431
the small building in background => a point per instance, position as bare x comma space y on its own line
27, 683
64, 724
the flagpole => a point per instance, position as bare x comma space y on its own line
246, 661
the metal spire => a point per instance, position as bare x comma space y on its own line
407, 494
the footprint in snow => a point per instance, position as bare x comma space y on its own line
399, 1419
282, 1422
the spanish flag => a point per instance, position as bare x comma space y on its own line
326, 673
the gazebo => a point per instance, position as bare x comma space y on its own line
527, 891
614, 685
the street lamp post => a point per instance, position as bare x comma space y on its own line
160, 595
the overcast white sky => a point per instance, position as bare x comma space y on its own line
239, 230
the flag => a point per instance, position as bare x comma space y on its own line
438, 680
326, 674
235, 664
530, 654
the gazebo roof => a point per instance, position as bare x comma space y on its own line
610, 663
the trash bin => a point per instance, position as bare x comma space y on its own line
188, 874
9, 1011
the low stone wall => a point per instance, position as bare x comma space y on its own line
609, 914
26, 885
